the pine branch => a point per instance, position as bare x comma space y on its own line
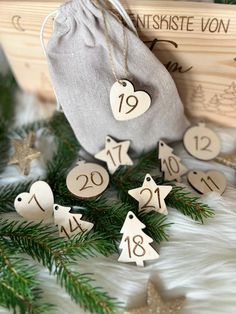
18, 284
38, 241
4, 145
24, 130
7, 89
9, 192
188, 204
108, 215
66, 153
179, 198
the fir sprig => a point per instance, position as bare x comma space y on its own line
18, 286
40, 242
179, 198
9, 192
188, 204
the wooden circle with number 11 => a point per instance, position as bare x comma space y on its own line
87, 180
201, 142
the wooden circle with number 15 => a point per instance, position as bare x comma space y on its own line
87, 180
201, 142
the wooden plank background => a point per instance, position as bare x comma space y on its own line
196, 42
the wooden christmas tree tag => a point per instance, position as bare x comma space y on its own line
115, 154
170, 163
69, 224
151, 196
37, 204
135, 244
201, 142
207, 182
126, 103
87, 180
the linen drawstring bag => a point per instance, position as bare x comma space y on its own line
94, 59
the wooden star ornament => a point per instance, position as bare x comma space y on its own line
156, 305
24, 153
115, 154
151, 196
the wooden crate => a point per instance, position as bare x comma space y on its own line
196, 42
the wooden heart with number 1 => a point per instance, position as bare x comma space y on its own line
37, 204
126, 103
205, 182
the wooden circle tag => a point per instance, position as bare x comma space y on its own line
87, 180
205, 182
201, 142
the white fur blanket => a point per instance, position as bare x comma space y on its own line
199, 261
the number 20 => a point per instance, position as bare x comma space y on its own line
92, 178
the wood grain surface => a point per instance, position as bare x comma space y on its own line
195, 41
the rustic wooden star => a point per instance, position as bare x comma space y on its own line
115, 154
151, 196
24, 153
156, 305
227, 160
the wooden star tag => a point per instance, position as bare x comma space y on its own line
24, 153
151, 196
115, 154
156, 305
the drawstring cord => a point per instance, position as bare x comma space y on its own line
116, 4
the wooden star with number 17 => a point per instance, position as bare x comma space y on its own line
115, 154
151, 196
24, 153
156, 305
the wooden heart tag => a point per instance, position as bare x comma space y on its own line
126, 103
37, 204
205, 182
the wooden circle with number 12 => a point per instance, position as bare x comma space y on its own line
201, 142
87, 180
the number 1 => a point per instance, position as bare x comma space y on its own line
34, 198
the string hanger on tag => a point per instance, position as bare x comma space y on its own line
117, 5
109, 46
41, 36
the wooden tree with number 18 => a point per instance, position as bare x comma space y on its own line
135, 244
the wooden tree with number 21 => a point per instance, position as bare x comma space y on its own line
135, 244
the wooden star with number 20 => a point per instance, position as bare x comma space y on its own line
156, 305
24, 153
115, 154
151, 196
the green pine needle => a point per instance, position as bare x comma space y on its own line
9, 192
188, 204
18, 285
42, 244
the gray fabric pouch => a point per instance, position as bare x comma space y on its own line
80, 69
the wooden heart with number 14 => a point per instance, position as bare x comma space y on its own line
126, 103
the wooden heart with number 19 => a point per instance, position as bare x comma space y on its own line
126, 103
205, 182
